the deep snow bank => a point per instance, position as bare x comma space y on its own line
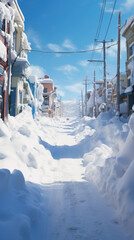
21, 213
20, 148
110, 164
23, 159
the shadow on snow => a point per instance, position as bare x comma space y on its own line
65, 151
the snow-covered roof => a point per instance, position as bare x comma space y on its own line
89, 91
7, 1
4, 12
129, 23
44, 80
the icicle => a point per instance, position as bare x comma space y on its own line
5, 80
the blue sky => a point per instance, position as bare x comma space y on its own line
71, 25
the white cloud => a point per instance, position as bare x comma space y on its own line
84, 63
60, 90
67, 69
33, 36
76, 88
68, 44
112, 51
128, 4
37, 71
61, 93
54, 47
109, 8
95, 47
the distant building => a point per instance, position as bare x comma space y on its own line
128, 32
123, 96
49, 96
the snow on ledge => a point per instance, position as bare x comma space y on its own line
3, 52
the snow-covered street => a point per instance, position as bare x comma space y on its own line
66, 120
53, 177
74, 208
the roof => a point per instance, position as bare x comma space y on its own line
129, 23
44, 80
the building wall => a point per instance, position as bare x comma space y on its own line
20, 63
17, 85
49, 86
128, 33
50, 89
4, 67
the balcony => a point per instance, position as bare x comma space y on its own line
19, 67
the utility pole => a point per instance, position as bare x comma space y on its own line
105, 79
118, 65
104, 68
9, 83
85, 83
94, 103
82, 110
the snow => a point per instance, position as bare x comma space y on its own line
4, 12
5, 80
44, 80
25, 43
128, 89
3, 52
123, 108
53, 172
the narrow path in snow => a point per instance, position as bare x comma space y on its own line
74, 208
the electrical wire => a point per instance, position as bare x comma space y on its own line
101, 19
99, 25
67, 52
110, 19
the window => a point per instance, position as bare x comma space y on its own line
46, 101
0, 91
45, 90
1, 100
20, 101
131, 49
15, 39
4, 25
1, 25
8, 27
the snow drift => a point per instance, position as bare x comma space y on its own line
108, 146
110, 164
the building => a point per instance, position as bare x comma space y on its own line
49, 96
123, 96
19, 85
128, 32
6, 18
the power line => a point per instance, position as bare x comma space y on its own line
110, 19
67, 52
99, 24
62, 52
101, 19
